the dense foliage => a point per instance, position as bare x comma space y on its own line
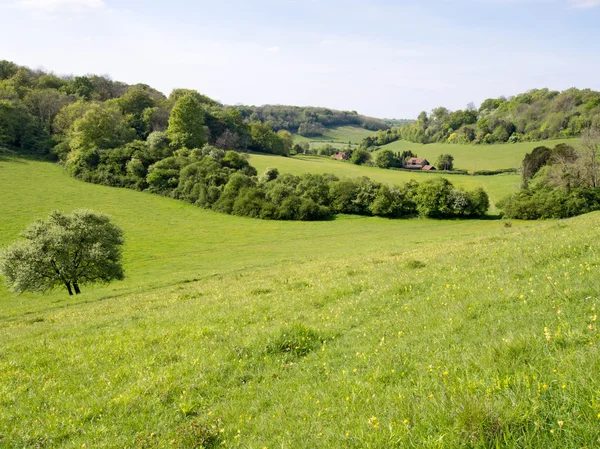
86, 115
558, 182
535, 115
64, 250
307, 197
183, 146
308, 121
225, 182
388, 159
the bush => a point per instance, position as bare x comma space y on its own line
544, 202
360, 157
249, 203
433, 198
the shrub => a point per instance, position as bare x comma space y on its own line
545, 202
432, 198
360, 157
249, 202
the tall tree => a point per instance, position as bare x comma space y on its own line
186, 123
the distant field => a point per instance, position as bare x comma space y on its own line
497, 186
477, 157
340, 134
354, 333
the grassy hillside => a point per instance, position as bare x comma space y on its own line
169, 242
351, 333
339, 134
477, 157
497, 186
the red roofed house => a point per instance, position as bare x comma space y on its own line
339, 156
416, 163
429, 168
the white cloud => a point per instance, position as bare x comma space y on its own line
56, 5
584, 4
273, 49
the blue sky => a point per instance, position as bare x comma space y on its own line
381, 58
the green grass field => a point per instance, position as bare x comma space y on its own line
355, 332
477, 157
497, 186
338, 134
171, 241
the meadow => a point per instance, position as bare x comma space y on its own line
355, 332
170, 242
477, 157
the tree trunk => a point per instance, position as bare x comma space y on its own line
76, 287
69, 288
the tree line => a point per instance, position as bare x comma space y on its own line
538, 114
44, 113
224, 181
309, 121
558, 182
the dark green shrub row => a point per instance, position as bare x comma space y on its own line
225, 182
446, 172
494, 172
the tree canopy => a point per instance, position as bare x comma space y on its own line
558, 182
538, 114
66, 250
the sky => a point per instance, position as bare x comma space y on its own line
382, 58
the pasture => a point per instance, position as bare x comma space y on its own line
497, 186
169, 242
336, 135
477, 157
355, 332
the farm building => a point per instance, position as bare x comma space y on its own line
339, 156
417, 163
429, 168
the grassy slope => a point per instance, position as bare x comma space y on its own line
497, 186
338, 134
477, 157
404, 333
171, 241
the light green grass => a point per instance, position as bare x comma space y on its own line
339, 134
405, 333
497, 186
169, 242
477, 157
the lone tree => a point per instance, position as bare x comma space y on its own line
69, 250
445, 162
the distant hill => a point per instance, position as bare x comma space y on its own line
539, 114
39, 111
309, 121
